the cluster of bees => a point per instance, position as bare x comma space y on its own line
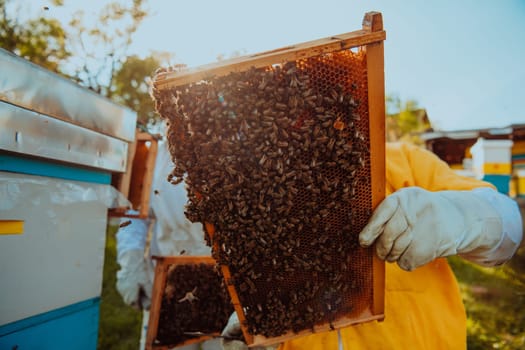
277, 159
195, 302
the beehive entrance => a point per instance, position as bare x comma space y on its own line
277, 159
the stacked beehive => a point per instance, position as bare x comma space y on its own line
492, 162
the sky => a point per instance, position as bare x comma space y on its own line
463, 61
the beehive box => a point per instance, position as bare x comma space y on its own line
189, 304
283, 155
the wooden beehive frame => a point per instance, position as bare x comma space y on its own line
159, 284
135, 183
370, 38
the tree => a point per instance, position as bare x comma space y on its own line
41, 40
131, 84
103, 46
87, 51
405, 120
92, 53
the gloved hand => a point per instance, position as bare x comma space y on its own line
133, 281
232, 335
414, 226
232, 338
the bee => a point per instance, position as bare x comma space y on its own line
189, 296
291, 70
281, 106
262, 160
125, 223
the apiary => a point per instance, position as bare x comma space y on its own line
190, 302
283, 156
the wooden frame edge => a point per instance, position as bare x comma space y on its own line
295, 52
376, 108
159, 282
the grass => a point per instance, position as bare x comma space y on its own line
494, 299
119, 324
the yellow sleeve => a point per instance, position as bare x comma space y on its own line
410, 165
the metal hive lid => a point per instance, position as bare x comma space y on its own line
34, 88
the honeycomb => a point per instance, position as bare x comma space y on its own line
194, 303
277, 159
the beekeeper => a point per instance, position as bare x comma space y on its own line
167, 233
429, 213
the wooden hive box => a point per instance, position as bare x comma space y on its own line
283, 154
189, 302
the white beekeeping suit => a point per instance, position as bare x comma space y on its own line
171, 234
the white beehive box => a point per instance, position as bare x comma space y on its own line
491, 157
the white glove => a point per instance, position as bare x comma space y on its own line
232, 338
232, 335
133, 279
414, 226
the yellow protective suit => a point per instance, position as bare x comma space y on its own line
423, 308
